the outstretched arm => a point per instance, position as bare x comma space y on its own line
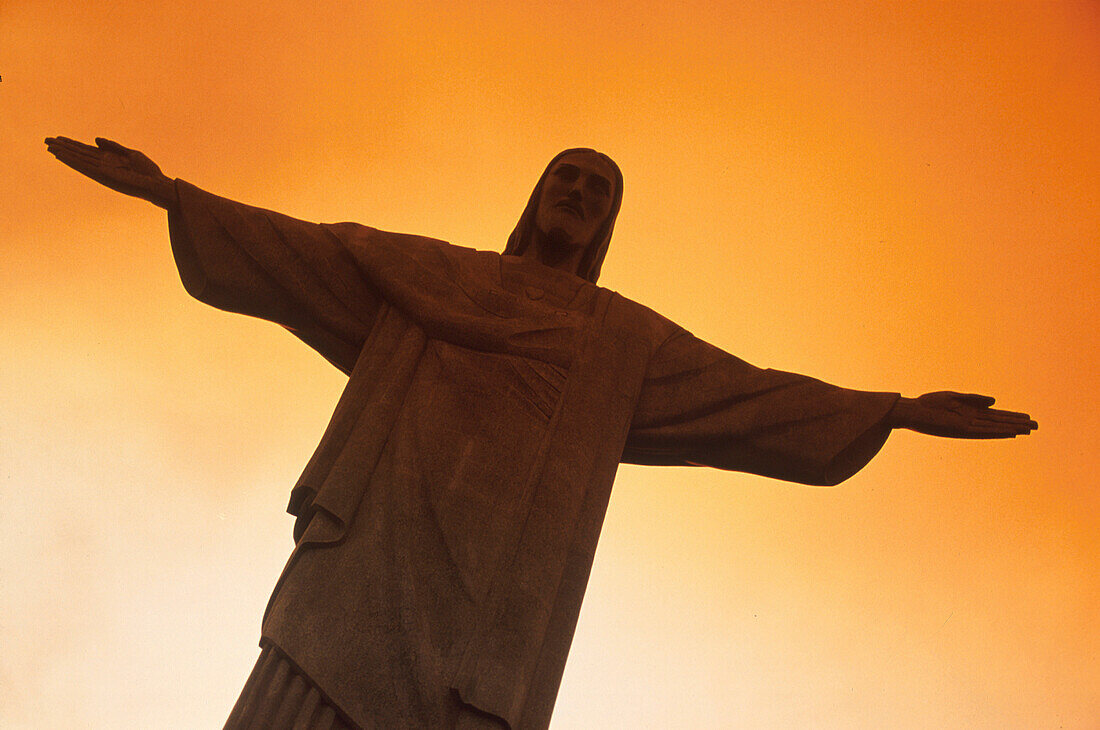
121, 169
700, 405
958, 415
245, 259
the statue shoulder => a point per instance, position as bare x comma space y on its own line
373, 246
358, 235
640, 320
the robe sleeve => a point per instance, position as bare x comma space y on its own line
704, 407
264, 264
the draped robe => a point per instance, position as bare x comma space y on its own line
447, 522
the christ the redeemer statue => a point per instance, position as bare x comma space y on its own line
447, 522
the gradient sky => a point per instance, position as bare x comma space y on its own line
887, 196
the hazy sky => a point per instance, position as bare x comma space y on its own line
887, 196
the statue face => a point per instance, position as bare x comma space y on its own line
576, 198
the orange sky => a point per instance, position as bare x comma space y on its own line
887, 196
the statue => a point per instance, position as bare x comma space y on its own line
446, 523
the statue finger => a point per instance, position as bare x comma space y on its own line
1008, 427
73, 144
107, 144
70, 156
76, 154
991, 432
89, 168
1006, 415
61, 140
60, 143
74, 147
1017, 419
982, 401
992, 418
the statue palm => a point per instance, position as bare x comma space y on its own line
120, 168
959, 415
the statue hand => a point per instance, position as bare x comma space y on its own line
119, 168
959, 415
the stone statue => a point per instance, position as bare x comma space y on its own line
447, 522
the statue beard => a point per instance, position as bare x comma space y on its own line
558, 246
558, 240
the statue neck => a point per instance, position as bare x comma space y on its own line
555, 252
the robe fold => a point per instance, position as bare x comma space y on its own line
447, 522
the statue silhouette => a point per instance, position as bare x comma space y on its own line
447, 522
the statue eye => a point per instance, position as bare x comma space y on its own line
568, 173
601, 186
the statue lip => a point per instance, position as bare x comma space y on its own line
573, 206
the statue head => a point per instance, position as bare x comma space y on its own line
574, 204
